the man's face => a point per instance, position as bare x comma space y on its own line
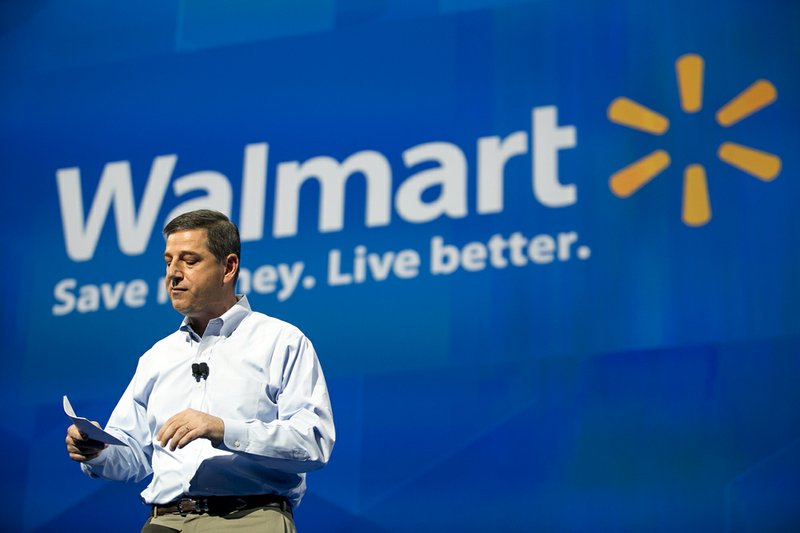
194, 276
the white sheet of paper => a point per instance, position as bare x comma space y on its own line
86, 426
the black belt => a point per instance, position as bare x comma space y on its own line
221, 505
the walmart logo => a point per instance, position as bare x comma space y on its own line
696, 210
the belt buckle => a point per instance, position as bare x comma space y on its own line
198, 506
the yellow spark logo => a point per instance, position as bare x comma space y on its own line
696, 203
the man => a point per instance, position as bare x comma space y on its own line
228, 412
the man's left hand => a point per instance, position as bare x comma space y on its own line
188, 425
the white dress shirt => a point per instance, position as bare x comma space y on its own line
266, 384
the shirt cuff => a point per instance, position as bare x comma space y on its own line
86, 466
235, 438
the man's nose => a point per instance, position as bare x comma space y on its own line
174, 274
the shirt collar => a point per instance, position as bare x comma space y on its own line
225, 324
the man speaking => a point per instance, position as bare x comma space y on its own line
228, 413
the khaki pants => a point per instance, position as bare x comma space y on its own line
263, 519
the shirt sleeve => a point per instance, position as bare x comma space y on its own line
301, 438
128, 423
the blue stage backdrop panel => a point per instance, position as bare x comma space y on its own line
545, 249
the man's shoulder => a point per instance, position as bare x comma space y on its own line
263, 320
177, 337
272, 326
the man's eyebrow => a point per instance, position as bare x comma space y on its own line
184, 253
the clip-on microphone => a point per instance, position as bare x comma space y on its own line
199, 370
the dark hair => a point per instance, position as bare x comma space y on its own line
223, 235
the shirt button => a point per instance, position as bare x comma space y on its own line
237, 443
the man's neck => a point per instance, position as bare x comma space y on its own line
200, 323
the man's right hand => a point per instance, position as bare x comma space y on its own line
80, 447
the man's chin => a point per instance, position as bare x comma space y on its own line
179, 306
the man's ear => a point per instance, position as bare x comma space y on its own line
231, 267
